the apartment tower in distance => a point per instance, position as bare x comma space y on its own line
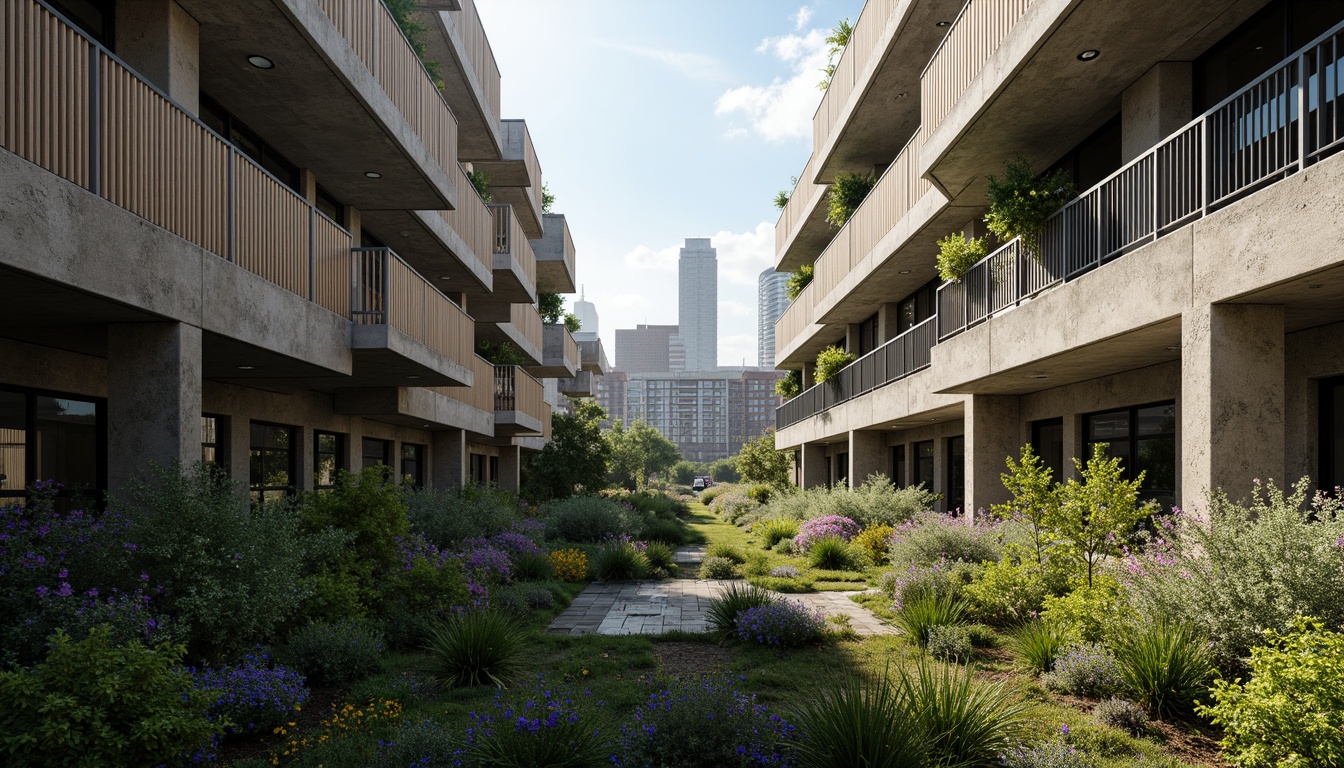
698, 304
249, 239
771, 301
1185, 308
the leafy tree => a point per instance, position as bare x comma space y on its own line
759, 462
551, 306
724, 470
639, 452
1036, 498
684, 472
1096, 514
575, 460
547, 199
502, 353
837, 40
572, 323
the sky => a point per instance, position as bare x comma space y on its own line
659, 121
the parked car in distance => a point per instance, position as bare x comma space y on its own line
698, 485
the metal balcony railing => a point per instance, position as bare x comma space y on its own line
515, 390
509, 239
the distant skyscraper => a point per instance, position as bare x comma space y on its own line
707, 415
698, 304
586, 311
771, 301
645, 348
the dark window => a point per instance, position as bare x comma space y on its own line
221, 121
1332, 434
50, 437
328, 458
494, 469
841, 469
956, 473
413, 464
478, 468
377, 453
867, 336
333, 208
923, 465
898, 477
215, 441
1047, 440
917, 307
271, 462
1144, 439
1095, 157
1268, 38
93, 17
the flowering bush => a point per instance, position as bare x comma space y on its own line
347, 721
783, 624
487, 565
1123, 714
252, 695
931, 537
705, 721
784, 572
570, 564
825, 527
940, 579
873, 541
1084, 670
731, 506
1052, 754
541, 726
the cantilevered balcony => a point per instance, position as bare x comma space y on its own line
515, 265
559, 353
593, 357
516, 177
516, 324
581, 384
519, 402
457, 41
555, 256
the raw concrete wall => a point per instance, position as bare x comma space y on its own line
153, 398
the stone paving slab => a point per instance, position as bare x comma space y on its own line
692, 555
656, 607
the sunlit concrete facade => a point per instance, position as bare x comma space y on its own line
1186, 309
243, 233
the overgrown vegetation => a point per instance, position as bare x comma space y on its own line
1020, 204
830, 361
958, 253
836, 42
847, 193
791, 385
799, 279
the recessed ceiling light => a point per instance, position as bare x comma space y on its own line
1174, 348
406, 233
902, 95
1040, 376
1089, 54
1314, 286
373, 174
260, 62
445, 277
246, 367
412, 377
943, 24
905, 271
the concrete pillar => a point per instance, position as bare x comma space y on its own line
814, 466
303, 457
510, 467
162, 42
1155, 106
1073, 444
809, 374
868, 455
888, 321
993, 433
308, 185
853, 343
1231, 407
153, 397
940, 472
448, 458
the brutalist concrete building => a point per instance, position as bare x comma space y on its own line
244, 233
1186, 307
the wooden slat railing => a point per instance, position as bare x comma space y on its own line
470, 30
863, 42
976, 34
389, 292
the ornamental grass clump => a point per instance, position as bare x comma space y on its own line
828, 526
254, 695
784, 624
1165, 665
772, 529
544, 726
968, 723
1037, 644
860, 722
619, 561
723, 610
917, 618
475, 648
831, 553
1084, 670
661, 559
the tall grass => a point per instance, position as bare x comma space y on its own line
858, 722
1165, 665
475, 648
619, 561
969, 724
723, 610
1038, 643
919, 616
832, 553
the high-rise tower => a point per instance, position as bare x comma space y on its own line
771, 301
698, 304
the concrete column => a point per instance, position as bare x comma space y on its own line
303, 457
814, 466
1231, 406
1155, 106
448, 458
868, 455
353, 222
1073, 444
308, 185
153, 397
852, 341
888, 321
510, 467
993, 433
809, 374
162, 42
940, 472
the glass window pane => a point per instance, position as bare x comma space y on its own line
13, 441
67, 442
1108, 426
1156, 420
1048, 442
1157, 460
326, 442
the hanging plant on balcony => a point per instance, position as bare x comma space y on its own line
798, 280
502, 353
958, 253
847, 192
551, 307
830, 362
572, 323
790, 386
1020, 203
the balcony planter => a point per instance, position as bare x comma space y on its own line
1020, 204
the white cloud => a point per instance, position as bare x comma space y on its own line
645, 258
697, 66
801, 18
782, 111
735, 308
733, 350
742, 255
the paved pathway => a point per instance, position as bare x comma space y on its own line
655, 607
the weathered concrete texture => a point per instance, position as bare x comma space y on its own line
814, 466
1155, 107
868, 455
448, 465
1232, 396
153, 396
510, 467
162, 42
992, 434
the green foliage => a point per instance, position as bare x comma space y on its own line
1036, 500
1121, 714
790, 386
917, 617
937, 537
759, 462
572, 322
786, 584
799, 279
639, 452
957, 254
969, 723
873, 541
1092, 613
665, 531
950, 642
715, 567
551, 307
584, 519
1096, 514
1007, 592
830, 361
533, 567
847, 193
415, 35
448, 516
547, 198
481, 181
230, 574
760, 493
418, 592
661, 559
1165, 665
727, 551
93, 703
724, 471
574, 460
723, 610
503, 353
1291, 712
475, 648
1020, 205
858, 722
619, 561
832, 553
781, 199
875, 502
772, 529
836, 42
1037, 643
334, 653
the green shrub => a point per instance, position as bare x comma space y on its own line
969, 724
918, 617
708, 495
449, 516
718, 568
1051, 754
830, 361
619, 561
760, 493
941, 580
873, 540
557, 728
723, 610
92, 703
726, 551
950, 643
799, 279
1104, 741
334, 653
787, 584
981, 636
757, 564
475, 648
1006, 592
661, 559
733, 506
533, 566
585, 519
858, 722
791, 385
1121, 714
1165, 665
1037, 643
368, 505
831, 552
1020, 203
847, 193
1084, 670
1092, 614
772, 529
667, 531
1291, 712
875, 502
958, 253
935, 537
427, 586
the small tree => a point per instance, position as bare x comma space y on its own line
575, 459
759, 462
551, 307
1036, 499
638, 452
790, 386
1096, 514
798, 280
